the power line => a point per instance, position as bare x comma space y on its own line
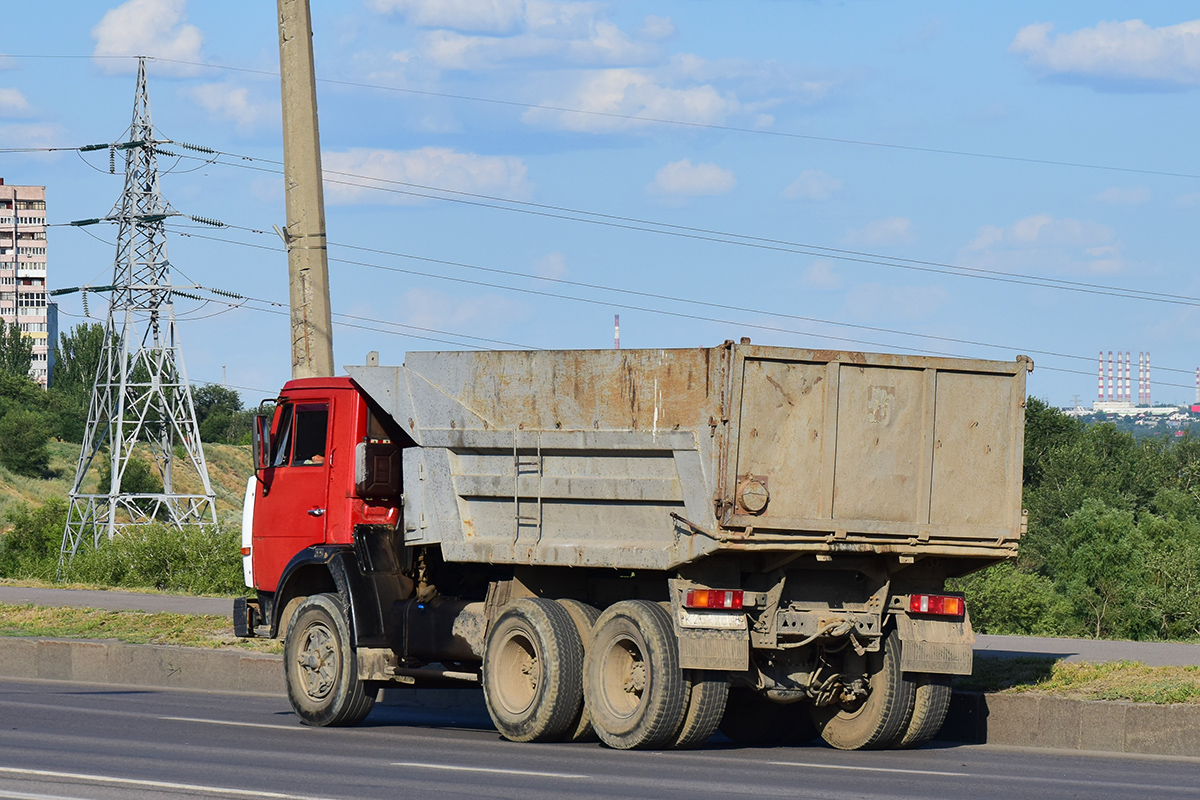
742, 240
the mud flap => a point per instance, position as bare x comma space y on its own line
945, 647
714, 649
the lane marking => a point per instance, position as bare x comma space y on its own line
238, 724
188, 787
494, 771
31, 796
872, 769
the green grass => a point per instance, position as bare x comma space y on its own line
1131, 681
133, 627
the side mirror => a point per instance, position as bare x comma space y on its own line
260, 440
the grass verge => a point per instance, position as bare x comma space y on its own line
133, 627
1111, 680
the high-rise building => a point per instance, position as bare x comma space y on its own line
23, 271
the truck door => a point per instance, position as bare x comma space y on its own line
291, 513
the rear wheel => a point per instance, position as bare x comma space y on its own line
321, 668
876, 720
584, 616
753, 720
632, 682
931, 701
532, 667
707, 693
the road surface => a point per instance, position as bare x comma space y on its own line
62, 741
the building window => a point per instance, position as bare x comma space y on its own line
31, 205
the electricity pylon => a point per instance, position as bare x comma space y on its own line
141, 392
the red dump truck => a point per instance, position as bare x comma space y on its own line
639, 545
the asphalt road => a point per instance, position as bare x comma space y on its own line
62, 741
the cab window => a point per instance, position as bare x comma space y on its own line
311, 426
281, 442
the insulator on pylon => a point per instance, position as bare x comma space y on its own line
83, 293
216, 223
112, 160
224, 293
198, 148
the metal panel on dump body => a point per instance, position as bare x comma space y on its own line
881, 445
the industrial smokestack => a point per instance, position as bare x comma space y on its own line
1141, 379
1100, 378
1148, 378
1110, 377
1128, 396
616, 331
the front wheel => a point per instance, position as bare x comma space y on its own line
876, 720
321, 668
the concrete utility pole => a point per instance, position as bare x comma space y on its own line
308, 262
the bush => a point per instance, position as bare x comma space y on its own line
1006, 600
30, 548
193, 561
24, 442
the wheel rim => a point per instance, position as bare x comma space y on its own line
518, 672
626, 676
318, 660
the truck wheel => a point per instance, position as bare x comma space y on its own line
707, 693
532, 667
632, 682
876, 720
931, 695
321, 668
584, 616
752, 720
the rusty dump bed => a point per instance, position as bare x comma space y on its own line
648, 459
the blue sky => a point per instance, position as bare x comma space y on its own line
777, 97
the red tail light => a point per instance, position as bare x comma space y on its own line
937, 604
713, 598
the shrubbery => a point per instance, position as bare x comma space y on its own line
193, 561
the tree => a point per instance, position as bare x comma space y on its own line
217, 410
16, 350
23, 442
76, 357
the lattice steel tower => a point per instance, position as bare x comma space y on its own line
141, 392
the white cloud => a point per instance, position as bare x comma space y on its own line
892, 230
1124, 195
603, 43
633, 93
551, 265
147, 28
876, 301
821, 276
658, 27
1190, 199
12, 102
480, 315
813, 184
685, 179
1115, 53
232, 102
429, 166
1043, 244
481, 16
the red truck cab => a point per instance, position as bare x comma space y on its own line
310, 490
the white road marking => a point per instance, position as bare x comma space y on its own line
188, 787
492, 770
238, 724
31, 796
871, 769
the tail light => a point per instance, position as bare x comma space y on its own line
713, 598
938, 605
245, 551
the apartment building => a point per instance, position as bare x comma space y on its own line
23, 273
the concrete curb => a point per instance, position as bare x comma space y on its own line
1021, 720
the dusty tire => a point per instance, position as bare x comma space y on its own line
321, 668
931, 701
752, 720
707, 693
877, 720
532, 667
584, 616
632, 682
